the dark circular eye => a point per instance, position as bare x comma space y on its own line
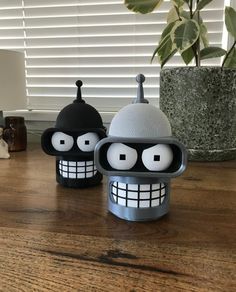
158, 157
61, 141
87, 142
121, 157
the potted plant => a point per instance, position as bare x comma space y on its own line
199, 101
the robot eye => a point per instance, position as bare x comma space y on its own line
121, 157
158, 157
87, 142
61, 141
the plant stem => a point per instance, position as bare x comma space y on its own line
191, 16
198, 41
228, 53
188, 4
191, 8
177, 11
196, 46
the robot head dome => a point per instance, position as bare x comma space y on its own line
140, 120
127, 123
79, 115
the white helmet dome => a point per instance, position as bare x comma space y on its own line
140, 120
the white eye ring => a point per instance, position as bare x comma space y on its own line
87, 142
61, 141
121, 157
158, 157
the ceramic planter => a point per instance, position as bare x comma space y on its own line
201, 106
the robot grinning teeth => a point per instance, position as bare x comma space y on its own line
77, 169
138, 196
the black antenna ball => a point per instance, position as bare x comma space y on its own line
79, 84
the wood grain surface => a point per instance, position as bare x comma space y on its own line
57, 239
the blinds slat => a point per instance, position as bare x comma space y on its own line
110, 40
102, 104
75, 10
145, 49
10, 13
56, 3
11, 23
93, 91
104, 80
112, 29
98, 8
11, 33
94, 20
129, 70
215, 15
100, 40
97, 71
6, 4
90, 61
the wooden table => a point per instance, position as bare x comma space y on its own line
57, 239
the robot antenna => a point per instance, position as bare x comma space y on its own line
140, 94
79, 99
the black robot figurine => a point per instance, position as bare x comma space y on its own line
78, 129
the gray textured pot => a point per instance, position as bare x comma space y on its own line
201, 106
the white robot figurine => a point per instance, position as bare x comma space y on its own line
140, 156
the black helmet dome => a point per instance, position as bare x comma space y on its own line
79, 115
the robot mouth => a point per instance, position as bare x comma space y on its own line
138, 196
77, 169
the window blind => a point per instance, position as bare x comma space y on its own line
98, 41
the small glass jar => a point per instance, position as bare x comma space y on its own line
15, 133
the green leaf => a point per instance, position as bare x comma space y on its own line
211, 52
188, 55
143, 6
185, 14
204, 35
231, 60
168, 58
202, 4
167, 30
164, 48
198, 18
172, 15
178, 3
230, 20
184, 34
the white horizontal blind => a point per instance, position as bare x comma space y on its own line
97, 41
